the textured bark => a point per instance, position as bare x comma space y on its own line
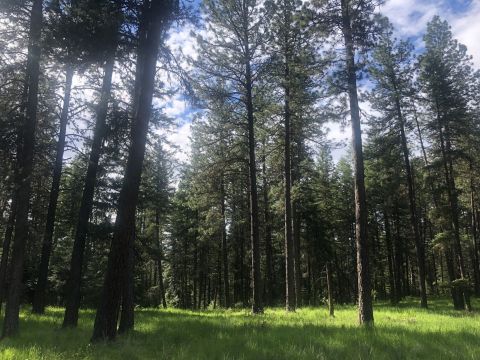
107, 312
127, 318
6, 250
41, 288
365, 306
76, 263
24, 173
475, 261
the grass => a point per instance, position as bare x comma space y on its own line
403, 332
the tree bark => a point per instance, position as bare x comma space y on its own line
6, 250
39, 297
24, 174
73, 285
269, 289
365, 306
107, 312
160, 259
388, 243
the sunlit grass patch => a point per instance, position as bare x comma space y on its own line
402, 332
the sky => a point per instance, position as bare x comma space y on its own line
409, 18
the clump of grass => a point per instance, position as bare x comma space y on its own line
402, 332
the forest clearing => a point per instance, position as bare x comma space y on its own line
403, 332
239, 179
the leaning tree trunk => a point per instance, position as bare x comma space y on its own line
39, 297
419, 246
107, 312
76, 263
24, 173
365, 306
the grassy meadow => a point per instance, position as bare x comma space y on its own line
403, 332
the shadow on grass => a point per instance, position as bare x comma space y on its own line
178, 334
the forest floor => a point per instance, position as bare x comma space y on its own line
403, 332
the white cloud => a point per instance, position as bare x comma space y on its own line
410, 18
181, 138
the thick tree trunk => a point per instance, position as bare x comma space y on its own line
127, 319
73, 285
107, 312
226, 282
365, 306
6, 250
419, 246
24, 173
39, 297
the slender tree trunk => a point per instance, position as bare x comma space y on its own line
39, 297
74, 280
287, 176
331, 309
391, 275
24, 173
269, 292
257, 306
160, 259
226, 282
365, 306
107, 312
419, 246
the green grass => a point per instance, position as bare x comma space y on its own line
403, 332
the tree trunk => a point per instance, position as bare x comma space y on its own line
269, 292
419, 246
388, 243
73, 285
107, 312
127, 319
365, 306
160, 259
331, 309
39, 297
226, 283
24, 173
257, 306
287, 176
6, 250
475, 261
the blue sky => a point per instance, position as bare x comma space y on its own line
409, 17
